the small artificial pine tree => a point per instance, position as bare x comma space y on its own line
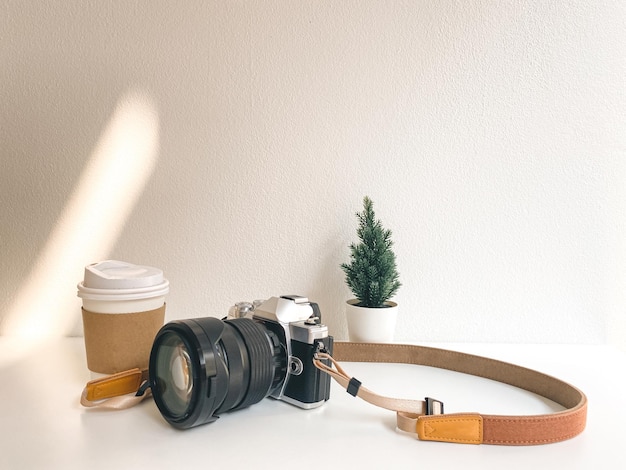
371, 275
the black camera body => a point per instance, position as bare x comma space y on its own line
202, 367
297, 324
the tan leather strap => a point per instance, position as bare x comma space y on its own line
472, 428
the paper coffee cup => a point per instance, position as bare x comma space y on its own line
123, 309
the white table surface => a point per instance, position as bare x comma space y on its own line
44, 426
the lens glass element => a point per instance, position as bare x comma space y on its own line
174, 375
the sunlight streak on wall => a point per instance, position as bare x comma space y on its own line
92, 220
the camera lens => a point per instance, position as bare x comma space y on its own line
202, 367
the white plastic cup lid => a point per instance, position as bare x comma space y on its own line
118, 280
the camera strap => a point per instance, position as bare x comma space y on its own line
427, 420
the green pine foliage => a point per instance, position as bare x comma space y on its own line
371, 274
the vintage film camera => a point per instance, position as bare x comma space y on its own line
202, 367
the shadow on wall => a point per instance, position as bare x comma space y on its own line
93, 218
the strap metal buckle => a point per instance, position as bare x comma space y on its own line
433, 407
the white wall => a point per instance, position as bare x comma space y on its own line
490, 135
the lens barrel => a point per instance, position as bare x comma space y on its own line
202, 367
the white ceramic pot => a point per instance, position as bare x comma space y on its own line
371, 325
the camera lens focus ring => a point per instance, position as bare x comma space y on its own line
261, 360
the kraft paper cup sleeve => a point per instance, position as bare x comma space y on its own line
115, 342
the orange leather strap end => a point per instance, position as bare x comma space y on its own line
459, 428
114, 385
